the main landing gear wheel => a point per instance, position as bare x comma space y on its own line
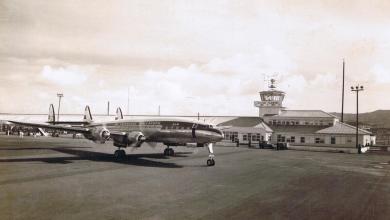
119, 154
210, 162
169, 152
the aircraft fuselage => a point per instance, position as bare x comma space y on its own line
168, 131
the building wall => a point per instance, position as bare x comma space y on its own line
300, 121
329, 140
269, 111
243, 134
382, 135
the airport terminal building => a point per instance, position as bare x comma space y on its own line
296, 127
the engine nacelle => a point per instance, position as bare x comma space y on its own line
135, 139
100, 135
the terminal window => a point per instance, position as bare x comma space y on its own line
302, 139
281, 138
258, 137
333, 140
319, 141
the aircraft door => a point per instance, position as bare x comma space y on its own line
194, 126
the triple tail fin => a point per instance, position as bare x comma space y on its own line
52, 115
87, 115
119, 114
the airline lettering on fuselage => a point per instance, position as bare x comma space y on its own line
164, 125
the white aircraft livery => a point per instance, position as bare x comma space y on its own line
134, 132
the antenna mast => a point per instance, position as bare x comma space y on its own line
342, 98
128, 101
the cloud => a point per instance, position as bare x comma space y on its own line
72, 75
381, 74
218, 53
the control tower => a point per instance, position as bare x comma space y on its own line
271, 101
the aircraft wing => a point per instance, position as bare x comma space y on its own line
55, 127
68, 123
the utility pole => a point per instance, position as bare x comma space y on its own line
342, 98
59, 95
128, 101
159, 110
108, 108
357, 89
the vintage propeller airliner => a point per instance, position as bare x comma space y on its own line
134, 132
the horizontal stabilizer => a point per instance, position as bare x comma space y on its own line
52, 119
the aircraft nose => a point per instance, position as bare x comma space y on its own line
221, 135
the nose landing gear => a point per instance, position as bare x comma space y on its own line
210, 161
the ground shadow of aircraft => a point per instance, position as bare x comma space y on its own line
130, 159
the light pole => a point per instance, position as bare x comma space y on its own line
342, 96
59, 95
357, 89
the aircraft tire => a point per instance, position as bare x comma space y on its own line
122, 154
171, 152
166, 152
210, 162
119, 154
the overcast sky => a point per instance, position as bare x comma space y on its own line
211, 57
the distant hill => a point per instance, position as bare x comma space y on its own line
379, 118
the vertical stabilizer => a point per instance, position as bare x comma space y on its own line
87, 114
52, 116
119, 114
